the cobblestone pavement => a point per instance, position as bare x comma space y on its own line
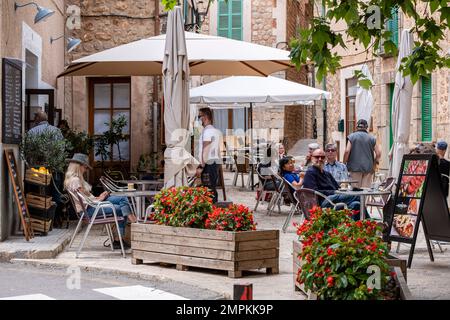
427, 280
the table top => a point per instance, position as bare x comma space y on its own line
364, 192
347, 181
142, 181
134, 193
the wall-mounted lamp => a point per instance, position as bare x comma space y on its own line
72, 44
42, 13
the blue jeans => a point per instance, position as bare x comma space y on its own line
122, 207
352, 203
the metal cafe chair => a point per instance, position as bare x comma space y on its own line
264, 182
306, 200
112, 187
379, 202
96, 219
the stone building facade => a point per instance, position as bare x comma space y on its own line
28, 44
382, 69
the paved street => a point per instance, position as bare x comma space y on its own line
19, 281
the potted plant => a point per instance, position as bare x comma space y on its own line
105, 143
343, 259
44, 150
190, 231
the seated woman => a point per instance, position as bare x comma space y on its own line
74, 181
287, 171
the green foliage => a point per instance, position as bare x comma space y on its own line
316, 43
44, 149
105, 143
78, 142
337, 253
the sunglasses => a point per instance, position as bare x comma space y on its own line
319, 157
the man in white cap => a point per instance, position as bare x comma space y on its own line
311, 147
361, 155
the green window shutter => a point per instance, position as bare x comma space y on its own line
392, 25
391, 95
427, 131
229, 19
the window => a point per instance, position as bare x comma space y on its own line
427, 132
109, 99
392, 25
391, 95
350, 99
229, 19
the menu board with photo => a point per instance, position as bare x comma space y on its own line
419, 199
11, 101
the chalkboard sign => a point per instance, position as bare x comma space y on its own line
11, 101
419, 198
19, 194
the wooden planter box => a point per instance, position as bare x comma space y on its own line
399, 266
37, 177
220, 250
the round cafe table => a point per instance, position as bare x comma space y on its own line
362, 197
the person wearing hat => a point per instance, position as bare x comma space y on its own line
311, 147
74, 181
444, 165
362, 154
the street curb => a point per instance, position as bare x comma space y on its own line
7, 256
114, 272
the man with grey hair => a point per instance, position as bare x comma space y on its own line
337, 169
42, 125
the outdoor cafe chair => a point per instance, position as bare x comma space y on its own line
378, 202
265, 180
241, 168
112, 187
97, 218
307, 199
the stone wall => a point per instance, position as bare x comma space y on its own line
107, 24
298, 120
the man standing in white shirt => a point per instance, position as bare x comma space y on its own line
209, 152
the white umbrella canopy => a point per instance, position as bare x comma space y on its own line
401, 107
256, 90
364, 98
208, 55
175, 70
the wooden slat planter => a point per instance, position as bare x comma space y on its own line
221, 250
399, 266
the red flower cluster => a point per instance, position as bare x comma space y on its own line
182, 207
336, 252
233, 218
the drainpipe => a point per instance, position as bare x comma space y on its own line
324, 87
155, 94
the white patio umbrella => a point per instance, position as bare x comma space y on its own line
256, 90
175, 70
401, 107
364, 98
208, 55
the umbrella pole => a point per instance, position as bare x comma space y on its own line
251, 143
